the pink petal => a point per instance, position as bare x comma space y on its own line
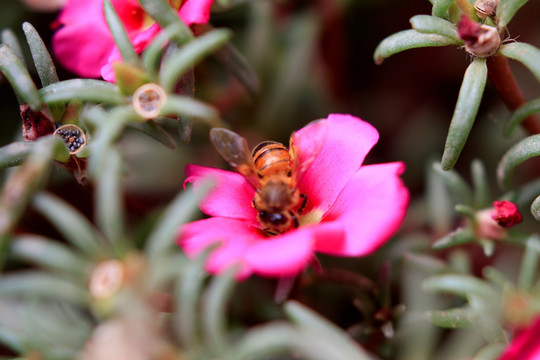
232, 196
281, 255
195, 11
525, 346
139, 40
83, 44
371, 208
348, 140
236, 236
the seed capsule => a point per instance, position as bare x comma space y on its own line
485, 8
73, 136
148, 100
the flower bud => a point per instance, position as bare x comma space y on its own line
493, 222
35, 124
480, 40
148, 100
486, 8
73, 136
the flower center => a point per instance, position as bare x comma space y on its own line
313, 217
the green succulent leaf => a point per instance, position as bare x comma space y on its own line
9, 38
152, 54
82, 89
458, 318
109, 203
121, 39
460, 285
458, 186
517, 154
482, 195
42, 59
440, 8
180, 211
507, 9
70, 223
214, 311
50, 254
19, 78
490, 352
189, 55
39, 284
12, 339
521, 114
526, 54
409, 39
465, 112
458, 237
14, 154
186, 106
165, 16
529, 264
307, 319
239, 67
427, 24
156, 131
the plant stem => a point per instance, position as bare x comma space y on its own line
504, 81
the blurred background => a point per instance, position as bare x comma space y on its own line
312, 58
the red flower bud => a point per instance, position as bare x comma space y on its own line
506, 213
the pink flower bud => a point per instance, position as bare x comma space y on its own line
506, 213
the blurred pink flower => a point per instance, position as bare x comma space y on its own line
525, 345
352, 208
84, 44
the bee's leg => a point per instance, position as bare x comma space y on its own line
254, 205
304, 203
295, 219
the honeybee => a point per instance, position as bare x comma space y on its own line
273, 171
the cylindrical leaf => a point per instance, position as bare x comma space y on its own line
109, 203
529, 264
458, 186
165, 16
187, 106
451, 319
521, 114
152, 53
125, 47
9, 38
427, 24
409, 39
18, 77
526, 54
189, 55
214, 311
458, 237
156, 131
460, 285
178, 213
507, 9
14, 154
82, 89
523, 150
67, 219
42, 59
239, 67
43, 285
490, 352
440, 8
49, 254
482, 195
467, 106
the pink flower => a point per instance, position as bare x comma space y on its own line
84, 44
526, 345
352, 209
506, 213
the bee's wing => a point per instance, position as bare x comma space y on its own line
234, 149
311, 140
